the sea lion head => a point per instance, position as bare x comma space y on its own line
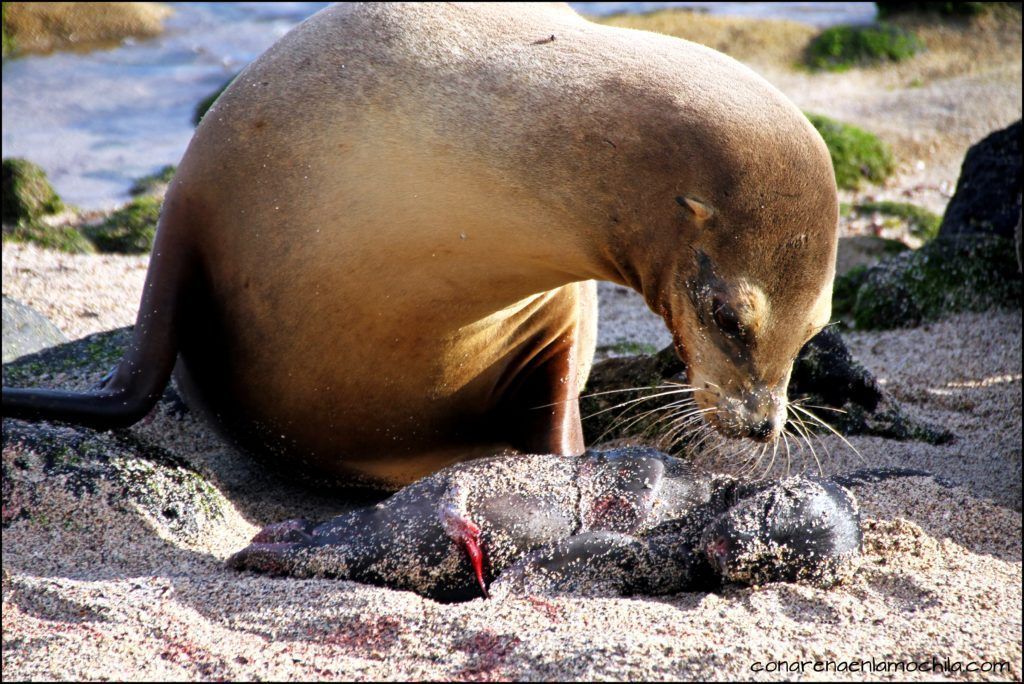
796, 530
749, 280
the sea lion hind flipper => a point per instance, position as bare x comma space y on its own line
276, 558
132, 388
871, 475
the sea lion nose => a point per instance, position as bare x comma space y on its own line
717, 550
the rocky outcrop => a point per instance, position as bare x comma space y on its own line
988, 194
973, 264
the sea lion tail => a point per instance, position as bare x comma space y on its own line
132, 389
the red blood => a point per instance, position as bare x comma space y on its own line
471, 543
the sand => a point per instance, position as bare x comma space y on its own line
94, 592
97, 587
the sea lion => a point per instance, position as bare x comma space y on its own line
628, 521
376, 256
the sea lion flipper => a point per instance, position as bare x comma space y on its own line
131, 389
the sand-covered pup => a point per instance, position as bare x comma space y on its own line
626, 521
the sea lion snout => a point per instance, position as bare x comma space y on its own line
758, 414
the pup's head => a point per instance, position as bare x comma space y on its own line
796, 530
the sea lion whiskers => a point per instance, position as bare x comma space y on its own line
680, 420
808, 435
665, 385
617, 425
760, 456
633, 420
680, 429
785, 439
826, 425
633, 401
666, 408
711, 433
801, 434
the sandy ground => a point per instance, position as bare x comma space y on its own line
95, 589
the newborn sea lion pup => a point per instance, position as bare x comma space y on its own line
628, 521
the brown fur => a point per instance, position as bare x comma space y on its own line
392, 214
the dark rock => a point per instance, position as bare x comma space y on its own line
947, 275
26, 331
950, 9
117, 467
972, 265
988, 193
615, 403
122, 470
825, 374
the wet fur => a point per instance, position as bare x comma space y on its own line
627, 521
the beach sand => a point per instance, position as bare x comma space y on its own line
96, 587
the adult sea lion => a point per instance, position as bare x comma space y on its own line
376, 257
628, 521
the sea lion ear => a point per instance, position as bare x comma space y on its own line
702, 212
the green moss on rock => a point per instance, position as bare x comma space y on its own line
130, 229
844, 291
62, 238
630, 347
922, 223
27, 194
154, 183
91, 356
856, 154
207, 102
840, 47
970, 273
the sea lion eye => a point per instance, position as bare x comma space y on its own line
726, 318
